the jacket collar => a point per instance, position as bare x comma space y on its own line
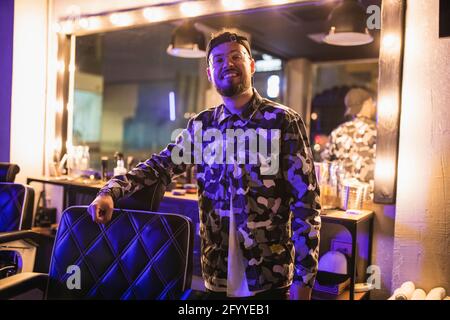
248, 112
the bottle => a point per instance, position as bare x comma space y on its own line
85, 158
120, 165
104, 168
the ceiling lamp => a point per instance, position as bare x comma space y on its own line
187, 42
348, 25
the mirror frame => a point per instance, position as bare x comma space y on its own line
389, 78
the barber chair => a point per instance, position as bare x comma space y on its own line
16, 206
138, 255
16, 213
8, 171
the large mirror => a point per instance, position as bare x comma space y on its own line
130, 94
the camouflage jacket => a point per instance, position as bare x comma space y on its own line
276, 213
353, 144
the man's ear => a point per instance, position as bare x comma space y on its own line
252, 66
208, 73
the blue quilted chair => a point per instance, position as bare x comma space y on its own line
138, 255
16, 206
16, 213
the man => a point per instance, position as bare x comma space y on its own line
252, 246
353, 143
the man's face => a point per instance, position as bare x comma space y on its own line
230, 69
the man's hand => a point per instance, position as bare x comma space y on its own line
101, 209
298, 292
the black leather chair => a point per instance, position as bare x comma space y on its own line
8, 171
16, 213
138, 255
16, 206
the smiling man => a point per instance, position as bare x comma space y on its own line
259, 230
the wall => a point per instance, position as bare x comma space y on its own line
29, 86
422, 242
6, 51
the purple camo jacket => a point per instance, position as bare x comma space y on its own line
276, 211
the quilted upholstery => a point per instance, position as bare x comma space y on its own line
138, 255
8, 171
16, 204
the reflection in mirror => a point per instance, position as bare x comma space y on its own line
331, 82
130, 95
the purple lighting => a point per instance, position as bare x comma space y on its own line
6, 54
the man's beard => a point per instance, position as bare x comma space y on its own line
233, 89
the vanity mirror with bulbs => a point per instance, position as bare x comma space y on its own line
127, 79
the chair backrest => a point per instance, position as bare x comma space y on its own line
146, 199
8, 171
16, 206
138, 255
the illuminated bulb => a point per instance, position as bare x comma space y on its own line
67, 27
59, 107
190, 9
95, 22
57, 27
84, 23
57, 144
91, 23
61, 66
153, 14
314, 116
72, 67
317, 147
233, 4
385, 169
386, 106
121, 19
277, 1
390, 41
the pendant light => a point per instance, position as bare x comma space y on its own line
187, 42
348, 25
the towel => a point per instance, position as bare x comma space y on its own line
405, 291
436, 294
419, 294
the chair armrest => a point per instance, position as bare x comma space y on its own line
28, 235
21, 283
43, 243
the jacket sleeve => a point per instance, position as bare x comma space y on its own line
300, 177
159, 168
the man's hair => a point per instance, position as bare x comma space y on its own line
227, 35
